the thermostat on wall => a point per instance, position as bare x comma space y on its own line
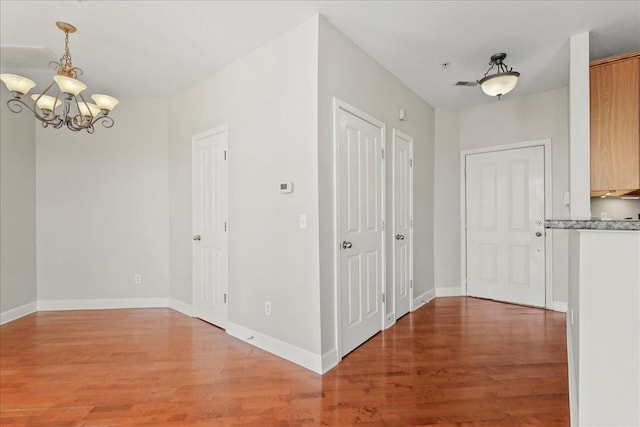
286, 187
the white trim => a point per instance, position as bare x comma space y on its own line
571, 365
560, 306
290, 352
338, 105
18, 312
423, 299
181, 307
449, 291
330, 360
102, 304
548, 209
395, 132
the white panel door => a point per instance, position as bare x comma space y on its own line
505, 225
402, 222
360, 207
210, 226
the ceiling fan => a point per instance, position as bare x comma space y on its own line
498, 84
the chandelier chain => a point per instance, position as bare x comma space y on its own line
65, 67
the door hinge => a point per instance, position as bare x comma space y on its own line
411, 284
225, 154
382, 225
411, 223
383, 301
225, 226
382, 150
410, 163
225, 298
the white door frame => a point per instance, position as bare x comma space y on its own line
548, 210
210, 132
338, 105
396, 132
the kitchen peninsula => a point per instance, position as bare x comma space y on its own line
603, 321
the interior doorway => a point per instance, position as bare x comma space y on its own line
210, 155
360, 207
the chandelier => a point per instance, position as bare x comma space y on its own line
68, 107
503, 81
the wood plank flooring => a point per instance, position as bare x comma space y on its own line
454, 362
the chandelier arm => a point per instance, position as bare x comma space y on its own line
16, 104
105, 120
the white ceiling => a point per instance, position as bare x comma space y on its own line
156, 48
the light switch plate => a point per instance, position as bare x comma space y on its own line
303, 222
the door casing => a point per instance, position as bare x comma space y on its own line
548, 187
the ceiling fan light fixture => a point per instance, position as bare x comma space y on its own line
503, 81
499, 84
75, 113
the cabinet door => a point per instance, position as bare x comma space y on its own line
615, 127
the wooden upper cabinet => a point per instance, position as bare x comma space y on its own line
615, 124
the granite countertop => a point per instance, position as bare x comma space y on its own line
572, 224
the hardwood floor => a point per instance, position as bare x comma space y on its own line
454, 362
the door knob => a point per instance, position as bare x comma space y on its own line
399, 237
538, 234
346, 245
196, 237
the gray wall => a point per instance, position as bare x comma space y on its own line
269, 101
17, 207
447, 202
349, 74
102, 211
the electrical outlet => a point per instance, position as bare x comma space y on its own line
390, 317
137, 279
267, 308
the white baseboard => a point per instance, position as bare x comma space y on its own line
18, 312
290, 352
449, 291
423, 298
329, 360
573, 391
560, 306
101, 304
181, 307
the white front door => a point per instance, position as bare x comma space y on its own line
210, 226
505, 209
360, 216
402, 222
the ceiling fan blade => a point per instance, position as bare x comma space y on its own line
466, 83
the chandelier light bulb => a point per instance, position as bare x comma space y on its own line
17, 84
105, 102
88, 109
46, 102
69, 85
